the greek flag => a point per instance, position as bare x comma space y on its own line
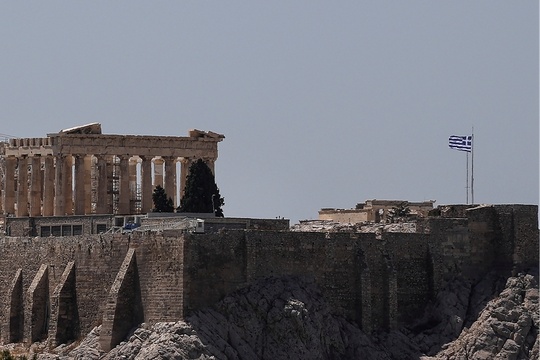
462, 143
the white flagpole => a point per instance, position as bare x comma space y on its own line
467, 181
472, 165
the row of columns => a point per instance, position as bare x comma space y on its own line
84, 184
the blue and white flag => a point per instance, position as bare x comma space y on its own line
462, 143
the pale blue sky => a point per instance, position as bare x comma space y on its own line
323, 104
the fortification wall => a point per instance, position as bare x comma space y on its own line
329, 259
160, 263
412, 262
376, 282
61, 287
449, 249
501, 238
97, 260
214, 266
519, 235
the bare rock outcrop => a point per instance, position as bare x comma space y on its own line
162, 341
507, 328
455, 308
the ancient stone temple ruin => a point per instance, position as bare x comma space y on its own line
80, 171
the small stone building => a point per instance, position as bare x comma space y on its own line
374, 211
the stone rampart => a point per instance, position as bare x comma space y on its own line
384, 280
214, 265
57, 273
97, 260
332, 260
518, 242
61, 287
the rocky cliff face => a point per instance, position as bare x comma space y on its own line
506, 327
287, 318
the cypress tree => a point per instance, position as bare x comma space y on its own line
161, 203
201, 194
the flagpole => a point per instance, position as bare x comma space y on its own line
467, 181
472, 165
464, 143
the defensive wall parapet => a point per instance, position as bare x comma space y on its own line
61, 287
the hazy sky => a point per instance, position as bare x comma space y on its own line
323, 104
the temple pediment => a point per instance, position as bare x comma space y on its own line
92, 128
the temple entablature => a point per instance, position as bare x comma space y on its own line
136, 145
28, 147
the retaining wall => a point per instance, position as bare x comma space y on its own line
61, 287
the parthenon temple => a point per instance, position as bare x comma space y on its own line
80, 171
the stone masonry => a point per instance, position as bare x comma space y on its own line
68, 285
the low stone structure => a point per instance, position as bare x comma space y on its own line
74, 225
374, 211
80, 171
58, 288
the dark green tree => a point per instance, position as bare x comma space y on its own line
161, 202
201, 194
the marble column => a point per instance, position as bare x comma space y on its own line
80, 175
48, 186
22, 187
170, 178
124, 195
158, 172
88, 184
68, 185
184, 172
35, 186
133, 185
146, 185
112, 189
59, 186
102, 203
9, 185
